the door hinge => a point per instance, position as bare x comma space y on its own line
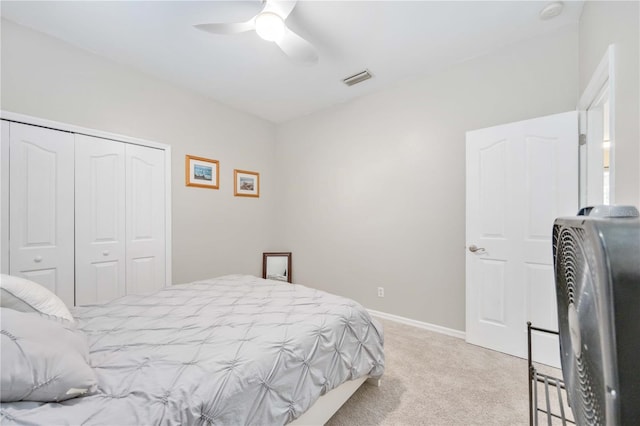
582, 140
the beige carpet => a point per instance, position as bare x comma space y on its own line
433, 379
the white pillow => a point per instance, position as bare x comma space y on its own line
26, 296
42, 360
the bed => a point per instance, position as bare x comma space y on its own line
233, 350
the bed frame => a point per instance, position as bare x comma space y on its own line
329, 403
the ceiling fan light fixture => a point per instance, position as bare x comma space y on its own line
270, 26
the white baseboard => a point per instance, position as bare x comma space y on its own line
420, 324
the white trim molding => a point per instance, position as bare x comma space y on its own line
419, 324
71, 128
604, 75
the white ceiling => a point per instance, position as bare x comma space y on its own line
395, 40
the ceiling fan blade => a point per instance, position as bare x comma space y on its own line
231, 28
297, 48
281, 8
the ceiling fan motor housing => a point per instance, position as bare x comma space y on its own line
597, 274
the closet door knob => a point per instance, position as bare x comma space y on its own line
38, 259
105, 253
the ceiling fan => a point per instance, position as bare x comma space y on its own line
270, 25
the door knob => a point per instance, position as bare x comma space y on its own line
475, 249
105, 253
38, 259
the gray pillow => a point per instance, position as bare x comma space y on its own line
42, 359
27, 296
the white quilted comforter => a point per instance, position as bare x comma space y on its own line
235, 350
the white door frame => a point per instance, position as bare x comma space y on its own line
35, 121
603, 75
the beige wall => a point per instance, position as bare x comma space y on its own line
615, 22
372, 193
366, 194
214, 233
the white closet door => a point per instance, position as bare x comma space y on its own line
4, 197
145, 209
100, 220
41, 207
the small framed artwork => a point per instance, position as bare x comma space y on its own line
246, 184
277, 266
202, 172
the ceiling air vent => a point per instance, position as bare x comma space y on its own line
357, 78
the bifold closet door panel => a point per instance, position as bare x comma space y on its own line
41, 212
145, 211
4, 197
100, 219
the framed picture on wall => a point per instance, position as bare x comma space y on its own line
246, 184
202, 172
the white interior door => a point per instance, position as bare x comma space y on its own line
145, 210
520, 177
100, 220
41, 213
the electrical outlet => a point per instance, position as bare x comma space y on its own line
380, 291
